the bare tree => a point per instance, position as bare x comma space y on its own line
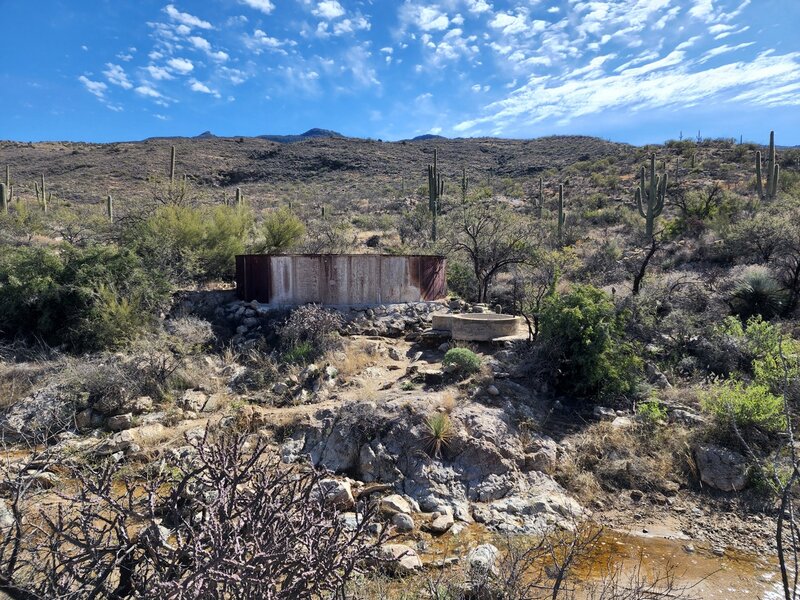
228, 522
492, 237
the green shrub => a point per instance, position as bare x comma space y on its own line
465, 361
745, 406
301, 353
281, 230
86, 298
585, 338
651, 412
757, 293
192, 244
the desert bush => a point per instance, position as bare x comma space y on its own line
736, 405
281, 231
463, 361
584, 334
191, 244
757, 293
651, 412
230, 522
86, 299
461, 280
438, 433
309, 332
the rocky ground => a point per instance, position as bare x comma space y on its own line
363, 415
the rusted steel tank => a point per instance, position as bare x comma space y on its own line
340, 279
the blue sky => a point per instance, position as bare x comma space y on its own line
629, 70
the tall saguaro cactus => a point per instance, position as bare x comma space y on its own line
42, 195
537, 204
435, 191
562, 216
3, 199
773, 172
650, 199
239, 197
172, 167
464, 185
110, 208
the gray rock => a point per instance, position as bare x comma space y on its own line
483, 558
41, 415
142, 404
394, 354
603, 413
622, 423
395, 503
493, 391
403, 523
399, 559
120, 422
721, 468
193, 400
441, 523
337, 493
6, 516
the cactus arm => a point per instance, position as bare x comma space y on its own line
775, 182
3, 200
771, 166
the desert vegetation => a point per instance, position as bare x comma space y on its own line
163, 439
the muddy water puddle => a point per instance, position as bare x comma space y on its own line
735, 575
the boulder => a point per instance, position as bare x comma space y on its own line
603, 413
403, 522
142, 404
41, 415
120, 422
337, 493
399, 559
194, 400
483, 558
721, 468
441, 523
395, 503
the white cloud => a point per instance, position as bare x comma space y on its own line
478, 6
328, 9
97, 88
197, 86
265, 6
351, 25
702, 9
724, 49
185, 18
148, 91
158, 73
116, 75
260, 40
682, 84
427, 18
181, 65
204, 45
161, 117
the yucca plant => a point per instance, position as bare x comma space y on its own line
439, 433
757, 293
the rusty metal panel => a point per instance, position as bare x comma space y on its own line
253, 277
340, 279
433, 277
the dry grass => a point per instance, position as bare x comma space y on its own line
355, 358
448, 400
618, 458
17, 380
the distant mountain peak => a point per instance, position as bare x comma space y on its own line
313, 133
205, 134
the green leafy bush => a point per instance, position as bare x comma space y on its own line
585, 340
651, 412
280, 231
463, 360
192, 244
745, 406
86, 298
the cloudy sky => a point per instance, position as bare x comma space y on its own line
630, 70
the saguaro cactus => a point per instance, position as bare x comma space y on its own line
537, 203
9, 189
562, 216
464, 185
172, 167
435, 191
239, 197
3, 198
773, 171
650, 200
42, 195
110, 208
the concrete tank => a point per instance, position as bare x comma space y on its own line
484, 327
